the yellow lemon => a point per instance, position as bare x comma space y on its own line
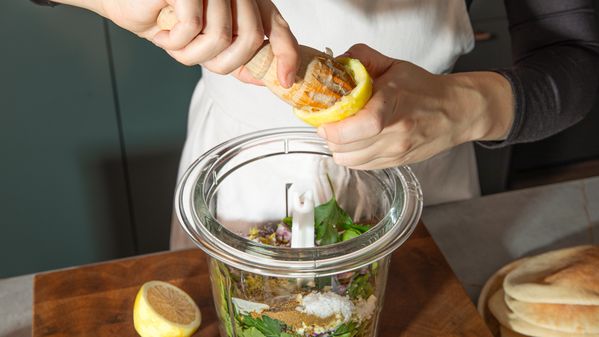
348, 104
163, 310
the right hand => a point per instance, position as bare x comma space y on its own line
221, 35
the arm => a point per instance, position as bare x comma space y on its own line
555, 47
414, 114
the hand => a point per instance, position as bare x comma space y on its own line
413, 114
221, 35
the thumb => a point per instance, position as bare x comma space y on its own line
375, 63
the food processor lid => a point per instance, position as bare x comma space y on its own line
199, 183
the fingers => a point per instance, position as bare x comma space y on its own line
248, 37
189, 15
380, 163
383, 148
283, 43
367, 123
375, 62
244, 75
215, 37
350, 147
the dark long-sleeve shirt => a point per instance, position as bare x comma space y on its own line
555, 71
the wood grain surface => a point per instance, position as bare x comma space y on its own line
423, 296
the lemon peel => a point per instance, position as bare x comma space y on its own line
349, 104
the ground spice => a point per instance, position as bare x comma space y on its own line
297, 319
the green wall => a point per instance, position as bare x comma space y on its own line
92, 121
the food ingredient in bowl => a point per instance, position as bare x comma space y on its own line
163, 310
342, 305
326, 304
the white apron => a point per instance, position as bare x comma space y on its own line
429, 33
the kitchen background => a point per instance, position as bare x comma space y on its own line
92, 122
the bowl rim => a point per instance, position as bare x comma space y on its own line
207, 233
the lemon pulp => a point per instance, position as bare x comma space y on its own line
348, 104
163, 310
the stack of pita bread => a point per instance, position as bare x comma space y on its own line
554, 294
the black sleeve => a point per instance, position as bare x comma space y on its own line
555, 72
45, 2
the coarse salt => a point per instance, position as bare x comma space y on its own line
326, 305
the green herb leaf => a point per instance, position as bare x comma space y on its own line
288, 220
252, 332
360, 287
346, 330
330, 219
359, 228
269, 327
350, 234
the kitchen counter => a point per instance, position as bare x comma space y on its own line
476, 236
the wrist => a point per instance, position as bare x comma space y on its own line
487, 100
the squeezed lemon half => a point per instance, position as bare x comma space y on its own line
348, 104
163, 310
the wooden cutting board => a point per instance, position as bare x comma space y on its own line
423, 296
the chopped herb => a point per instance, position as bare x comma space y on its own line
359, 228
350, 234
374, 268
288, 220
252, 332
267, 326
360, 287
345, 330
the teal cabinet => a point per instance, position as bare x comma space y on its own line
92, 120
154, 93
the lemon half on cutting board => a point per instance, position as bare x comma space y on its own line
348, 104
163, 310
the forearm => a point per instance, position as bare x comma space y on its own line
486, 100
555, 74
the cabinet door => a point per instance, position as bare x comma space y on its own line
154, 92
62, 189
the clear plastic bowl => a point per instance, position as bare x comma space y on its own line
262, 290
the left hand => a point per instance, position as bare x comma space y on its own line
414, 114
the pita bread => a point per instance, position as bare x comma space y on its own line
565, 276
510, 320
505, 332
494, 283
560, 317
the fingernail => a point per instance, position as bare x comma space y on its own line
289, 80
321, 133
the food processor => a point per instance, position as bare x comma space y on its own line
255, 205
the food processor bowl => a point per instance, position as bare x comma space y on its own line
264, 290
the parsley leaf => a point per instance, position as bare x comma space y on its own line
359, 228
329, 218
252, 332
